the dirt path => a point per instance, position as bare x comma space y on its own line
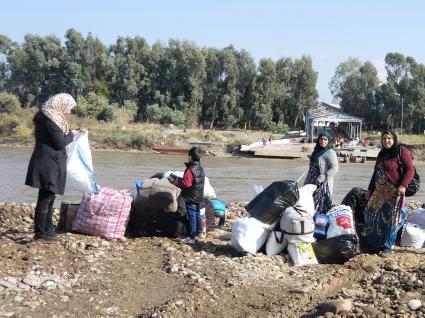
82, 276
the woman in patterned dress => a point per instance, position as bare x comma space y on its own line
386, 195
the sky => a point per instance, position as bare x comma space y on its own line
328, 31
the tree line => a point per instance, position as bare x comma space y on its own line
178, 83
399, 102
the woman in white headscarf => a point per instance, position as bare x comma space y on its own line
47, 166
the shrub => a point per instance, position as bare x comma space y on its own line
279, 128
92, 105
8, 124
164, 115
9, 103
23, 131
108, 113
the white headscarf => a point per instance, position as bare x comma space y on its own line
56, 107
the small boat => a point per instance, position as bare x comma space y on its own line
170, 150
176, 151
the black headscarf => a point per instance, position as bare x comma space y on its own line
319, 150
395, 148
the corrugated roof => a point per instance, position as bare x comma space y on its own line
328, 111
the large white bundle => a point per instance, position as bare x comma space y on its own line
276, 243
248, 235
413, 235
297, 225
306, 200
79, 166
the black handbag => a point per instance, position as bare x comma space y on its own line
415, 184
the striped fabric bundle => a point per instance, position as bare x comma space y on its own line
104, 214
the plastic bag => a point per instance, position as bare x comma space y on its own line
418, 217
273, 200
340, 221
302, 254
248, 235
257, 189
79, 165
306, 201
413, 235
336, 250
357, 201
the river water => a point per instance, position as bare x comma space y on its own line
233, 178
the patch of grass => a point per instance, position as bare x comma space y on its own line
412, 139
405, 139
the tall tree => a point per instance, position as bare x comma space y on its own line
265, 90
230, 110
281, 101
37, 69
302, 89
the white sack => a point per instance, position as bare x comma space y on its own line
413, 235
302, 254
79, 165
341, 221
417, 217
306, 200
276, 243
248, 235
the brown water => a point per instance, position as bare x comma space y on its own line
232, 178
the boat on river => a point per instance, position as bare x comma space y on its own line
177, 151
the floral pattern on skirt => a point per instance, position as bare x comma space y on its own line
382, 215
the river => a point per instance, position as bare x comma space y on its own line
233, 178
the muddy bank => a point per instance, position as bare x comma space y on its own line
159, 277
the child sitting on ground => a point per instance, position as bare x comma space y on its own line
192, 185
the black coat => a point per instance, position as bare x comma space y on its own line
47, 166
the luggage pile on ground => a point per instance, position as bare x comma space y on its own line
281, 218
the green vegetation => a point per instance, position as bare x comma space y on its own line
179, 83
400, 102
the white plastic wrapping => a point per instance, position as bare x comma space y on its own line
79, 165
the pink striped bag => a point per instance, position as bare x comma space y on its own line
104, 214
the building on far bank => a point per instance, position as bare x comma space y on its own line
329, 116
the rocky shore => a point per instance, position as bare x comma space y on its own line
83, 276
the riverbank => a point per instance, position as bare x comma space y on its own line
83, 276
144, 137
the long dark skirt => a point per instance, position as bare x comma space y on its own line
382, 217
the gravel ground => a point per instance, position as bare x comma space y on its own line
83, 276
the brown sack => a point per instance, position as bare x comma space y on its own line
157, 194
